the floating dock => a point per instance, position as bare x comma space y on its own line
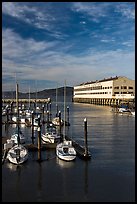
80, 150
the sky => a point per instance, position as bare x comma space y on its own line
46, 43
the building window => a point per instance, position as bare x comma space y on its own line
130, 92
123, 87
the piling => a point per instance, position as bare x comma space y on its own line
56, 110
50, 111
7, 113
39, 144
39, 139
68, 114
32, 127
47, 118
47, 106
60, 122
85, 136
43, 112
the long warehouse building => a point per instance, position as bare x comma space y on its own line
108, 91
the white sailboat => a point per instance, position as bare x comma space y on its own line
50, 137
18, 154
56, 121
65, 149
14, 137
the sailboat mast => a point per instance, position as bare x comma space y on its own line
57, 101
29, 97
64, 106
36, 92
17, 104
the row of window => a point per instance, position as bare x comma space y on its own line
93, 93
100, 87
124, 92
116, 92
123, 87
93, 88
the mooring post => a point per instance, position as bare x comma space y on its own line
50, 111
68, 114
47, 118
32, 127
11, 112
60, 122
85, 135
39, 139
56, 110
43, 112
7, 113
35, 106
47, 106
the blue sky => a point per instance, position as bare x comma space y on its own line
46, 43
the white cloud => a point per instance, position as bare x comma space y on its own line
126, 9
82, 22
96, 10
29, 14
34, 60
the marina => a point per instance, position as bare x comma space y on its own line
68, 102
109, 172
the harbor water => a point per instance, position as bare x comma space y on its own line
109, 176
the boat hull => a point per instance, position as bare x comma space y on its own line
18, 154
66, 151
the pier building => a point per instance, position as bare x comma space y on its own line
108, 91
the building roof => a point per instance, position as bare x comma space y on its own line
102, 80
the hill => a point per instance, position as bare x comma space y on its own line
46, 93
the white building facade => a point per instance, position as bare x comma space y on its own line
108, 91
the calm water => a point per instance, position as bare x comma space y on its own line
108, 177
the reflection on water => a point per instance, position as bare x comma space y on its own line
108, 177
64, 164
12, 167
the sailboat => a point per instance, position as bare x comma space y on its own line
18, 154
14, 137
51, 136
65, 149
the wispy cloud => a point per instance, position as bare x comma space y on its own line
91, 9
126, 9
25, 58
76, 41
97, 10
30, 14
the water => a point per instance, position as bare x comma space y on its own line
108, 177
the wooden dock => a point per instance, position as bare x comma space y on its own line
80, 150
21, 100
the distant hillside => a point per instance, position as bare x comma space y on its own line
47, 93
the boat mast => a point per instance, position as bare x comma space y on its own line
17, 104
57, 101
64, 107
29, 97
36, 92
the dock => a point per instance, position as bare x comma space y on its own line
80, 150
